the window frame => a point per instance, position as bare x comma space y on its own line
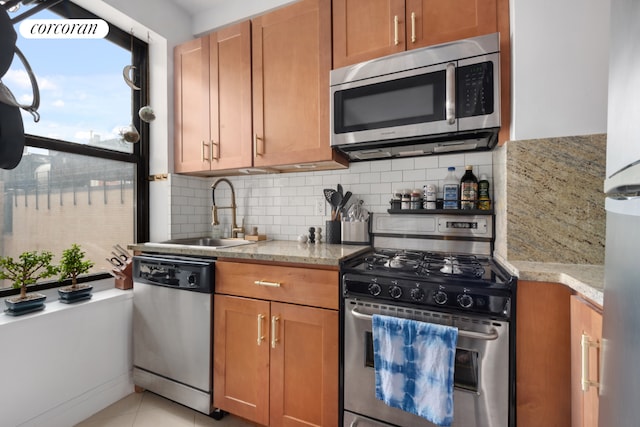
140, 155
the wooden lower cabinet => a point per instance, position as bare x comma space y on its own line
543, 355
275, 363
586, 321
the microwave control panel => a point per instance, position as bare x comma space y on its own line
474, 91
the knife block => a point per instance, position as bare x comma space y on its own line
127, 281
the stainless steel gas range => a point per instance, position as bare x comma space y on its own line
434, 268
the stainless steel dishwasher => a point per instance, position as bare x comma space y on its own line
172, 325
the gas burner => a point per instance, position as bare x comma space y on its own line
394, 260
466, 266
451, 266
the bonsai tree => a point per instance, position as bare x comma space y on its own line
72, 265
27, 269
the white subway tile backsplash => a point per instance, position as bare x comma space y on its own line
283, 206
402, 164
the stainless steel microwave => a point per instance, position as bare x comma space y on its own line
437, 99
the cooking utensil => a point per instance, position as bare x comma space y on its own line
328, 192
340, 190
344, 201
336, 199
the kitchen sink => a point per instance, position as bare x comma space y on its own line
209, 242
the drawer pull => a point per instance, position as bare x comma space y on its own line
260, 336
586, 344
274, 329
264, 283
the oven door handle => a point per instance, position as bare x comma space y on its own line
487, 336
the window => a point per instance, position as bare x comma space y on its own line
78, 181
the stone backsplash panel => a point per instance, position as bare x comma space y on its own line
554, 200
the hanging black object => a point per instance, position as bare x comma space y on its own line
11, 136
8, 39
11, 127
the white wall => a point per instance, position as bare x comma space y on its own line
65, 363
226, 12
560, 54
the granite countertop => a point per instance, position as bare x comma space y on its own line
587, 280
269, 250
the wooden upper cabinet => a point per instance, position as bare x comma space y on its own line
213, 101
230, 97
368, 29
586, 321
435, 21
291, 62
191, 100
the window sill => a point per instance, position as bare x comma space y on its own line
103, 291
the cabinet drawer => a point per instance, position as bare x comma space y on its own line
298, 285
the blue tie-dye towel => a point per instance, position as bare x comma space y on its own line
414, 365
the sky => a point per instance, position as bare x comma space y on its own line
82, 91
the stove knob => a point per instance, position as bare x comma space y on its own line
417, 294
395, 292
375, 289
440, 297
465, 301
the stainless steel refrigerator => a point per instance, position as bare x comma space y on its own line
620, 375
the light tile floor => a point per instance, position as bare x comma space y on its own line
150, 410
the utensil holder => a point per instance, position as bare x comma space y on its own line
333, 232
355, 233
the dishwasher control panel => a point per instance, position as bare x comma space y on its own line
186, 273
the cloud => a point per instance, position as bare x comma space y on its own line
58, 103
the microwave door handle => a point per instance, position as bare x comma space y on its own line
450, 93
489, 336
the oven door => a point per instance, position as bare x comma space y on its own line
481, 393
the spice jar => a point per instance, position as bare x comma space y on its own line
406, 199
416, 199
396, 200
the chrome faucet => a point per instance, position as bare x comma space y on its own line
214, 210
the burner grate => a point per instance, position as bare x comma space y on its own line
426, 263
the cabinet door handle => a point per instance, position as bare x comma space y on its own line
217, 156
265, 283
260, 336
204, 144
413, 27
396, 40
274, 330
586, 343
255, 145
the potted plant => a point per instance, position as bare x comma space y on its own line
26, 270
73, 264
